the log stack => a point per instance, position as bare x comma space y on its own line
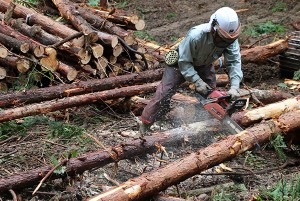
92, 44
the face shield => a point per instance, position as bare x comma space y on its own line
221, 38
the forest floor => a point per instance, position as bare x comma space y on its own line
41, 140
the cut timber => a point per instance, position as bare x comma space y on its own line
151, 183
129, 22
274, 110
69, 12
48, 106
102, 24
89, 161
262, 53
97, 50
50, 62
14, 44
84, 56
88, 69
3, 51
35, 47
67, 71
22, 65
2, 73
34, 17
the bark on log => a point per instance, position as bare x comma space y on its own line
34, 17
262, 53
151, 183
14, 44
48, 106
78, 165
67, 71
22, 65
274, 110
69, 12
67, 90
102, 24
35, 47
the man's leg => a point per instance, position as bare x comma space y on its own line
159, 105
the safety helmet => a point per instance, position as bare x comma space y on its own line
225, 25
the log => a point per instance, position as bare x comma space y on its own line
2, 73
36, 48
88, 161
151, 183
274, 110
67, 71
48, 106
262, 53
3, 51
34, 17
22, 65
102, 24
69, 12
67, 90
14, 44
132, 22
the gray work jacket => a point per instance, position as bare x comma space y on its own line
198, 49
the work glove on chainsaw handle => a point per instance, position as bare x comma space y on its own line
234, 92
202, 87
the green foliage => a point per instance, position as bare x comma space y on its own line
264, 28
63, 130
93, 2
60, 169
122, 4
173, 39
284, 190
29, 2
12, 127
282, 85
221, 194
171, 15
143, 35
278, 144
280, 7
296, 75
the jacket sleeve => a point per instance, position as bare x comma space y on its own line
232, 59
185, 62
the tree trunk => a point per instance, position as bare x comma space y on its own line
274, 110
151, 183
98, 159
48, 106
67, 90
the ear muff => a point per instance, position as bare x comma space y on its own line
171, 57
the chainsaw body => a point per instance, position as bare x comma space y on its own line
218, 103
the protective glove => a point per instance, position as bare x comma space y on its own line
202, 87
234, 92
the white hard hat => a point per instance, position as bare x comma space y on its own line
227, 19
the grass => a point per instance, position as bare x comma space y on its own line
296, 75
264, 28
143, 35
278, 144
284, 190
280, 7
171, 15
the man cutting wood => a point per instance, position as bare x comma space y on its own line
192, 62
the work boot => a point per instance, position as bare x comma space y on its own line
144, 128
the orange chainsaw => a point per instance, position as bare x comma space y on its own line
218, 103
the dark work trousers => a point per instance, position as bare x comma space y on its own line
159, 105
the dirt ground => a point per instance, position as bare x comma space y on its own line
166, 21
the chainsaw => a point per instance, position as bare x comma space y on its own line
219, 104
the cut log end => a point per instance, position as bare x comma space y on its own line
140, 25
97, 50
114, 41
85, 56
24, 48
39, 51
117, 50
2, 73
3, 53
129, 39
23, 65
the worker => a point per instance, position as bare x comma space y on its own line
192, 62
